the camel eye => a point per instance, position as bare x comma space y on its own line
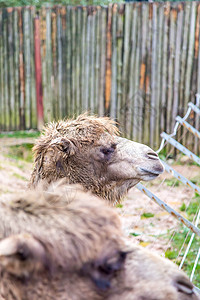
107, 151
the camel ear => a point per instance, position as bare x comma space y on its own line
65, 145
104, 269
22, 255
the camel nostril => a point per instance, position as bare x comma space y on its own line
184, 285
153, 155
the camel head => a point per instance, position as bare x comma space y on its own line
89, 151
65, 244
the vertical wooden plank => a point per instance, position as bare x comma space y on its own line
69, 61
73, 58
101, 107
38, 74
87, 60
97, 59
92, 64
179, 35
177, 62
113, 103
16, 68
27, 65
7, 108
120, 33
132, 91
2, 123
125, 105
187, 9
108, 58
138, 101
64, 59
83, 59
43, 30
159, 70
197, 54
153, 116
163, 109
172, 37
190, 53
190, 57
60, 65
143, 133
32, 66
49, 103
11, 68
78, 59
147, 108
54, 79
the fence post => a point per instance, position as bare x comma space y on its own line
38, 75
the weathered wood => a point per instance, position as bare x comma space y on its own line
16, 70
120, 33
138, 62
27, 65
163, 110
49, 102
113, 102
68, 63
138, 101
101, 106
97, 60
2, 121
60, 65
159, 77
108, 59
125, 105
78, 60
154, 112
11, 69
38, 75
33, 91
144, 136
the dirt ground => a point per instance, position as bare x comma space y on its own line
143, 221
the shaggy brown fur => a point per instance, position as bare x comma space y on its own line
68, 246
89, 152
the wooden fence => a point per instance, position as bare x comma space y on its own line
137, 62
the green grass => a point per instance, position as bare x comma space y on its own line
19, 177
20, 134
134, 233
21, 152
172, 182
147, 215
183, 207
119, 205
178, 240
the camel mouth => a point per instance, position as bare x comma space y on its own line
150, 174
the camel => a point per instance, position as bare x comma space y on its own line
88, 151
67, 245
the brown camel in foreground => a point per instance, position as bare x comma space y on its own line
68, 246
88, 151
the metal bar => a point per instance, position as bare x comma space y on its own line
194, 108
195, 265
191, 106
169, 209
190, 242
197, 290
180, 147
181, 177
188, 126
